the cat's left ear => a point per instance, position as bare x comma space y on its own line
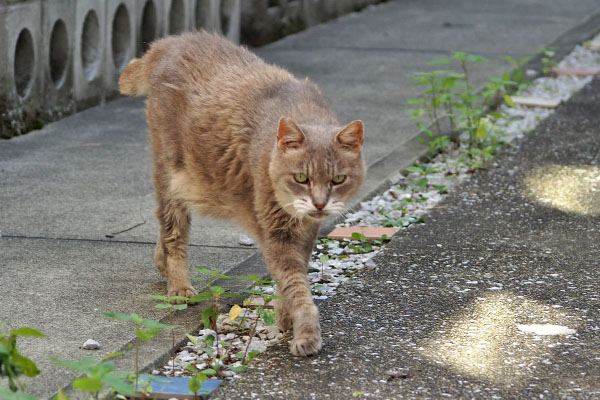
289, 135
351, 136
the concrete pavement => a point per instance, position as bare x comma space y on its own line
67, 186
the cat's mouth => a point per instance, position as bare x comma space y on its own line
318, 214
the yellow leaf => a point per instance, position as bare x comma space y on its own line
509, 101
234, 312
61, 396
481, 129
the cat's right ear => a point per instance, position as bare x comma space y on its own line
289, 135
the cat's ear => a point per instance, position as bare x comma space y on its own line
351, 136
289, 135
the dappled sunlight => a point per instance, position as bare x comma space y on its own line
487, 340
570, 188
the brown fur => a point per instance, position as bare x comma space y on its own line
229, 132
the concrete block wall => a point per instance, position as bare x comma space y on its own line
60, 56
266, 20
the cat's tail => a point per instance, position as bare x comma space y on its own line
135, 77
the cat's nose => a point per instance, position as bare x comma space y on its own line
319, 206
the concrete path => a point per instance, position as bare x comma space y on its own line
442, 316
65, 188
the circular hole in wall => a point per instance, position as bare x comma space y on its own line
226, 12
59, 53
90, 42
148, 29
201, 13
176, 17
24, 63
121, 35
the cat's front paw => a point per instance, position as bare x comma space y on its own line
182, 291
306, 343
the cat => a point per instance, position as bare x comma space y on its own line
235, 137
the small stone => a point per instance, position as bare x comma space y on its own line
245, 240
257, 346
91, 344
228, 374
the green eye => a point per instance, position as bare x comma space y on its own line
301, 178
338, 179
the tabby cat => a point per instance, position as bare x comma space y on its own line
235, 137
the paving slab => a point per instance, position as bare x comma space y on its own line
88, 176
61, 287
455, 306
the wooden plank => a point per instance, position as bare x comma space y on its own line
576, 71
370, 232
535, 102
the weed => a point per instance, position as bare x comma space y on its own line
548, 60
12, 363
146, 330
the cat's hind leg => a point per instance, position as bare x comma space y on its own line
171, 249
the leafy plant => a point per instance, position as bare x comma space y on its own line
12, 363
171, 304
99, 376
548, 60
145, 331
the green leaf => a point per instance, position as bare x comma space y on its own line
509, 101
414, 101
417, 113
414, 169
118, 384
158, 297
496, 114
209, 372
459, 55
143, 335
254, 291
180, 306
209, 340
25, 364
82, 365
200, 297
195, 383
207, 316
113, 355
268, 316
7, 394
192, 339
93, 384
209, 351
150, 323
123, 317
251, 355
231, 295
217, 290
163, 305
203, 270
358, 236
25, 331
475, 58
239, 369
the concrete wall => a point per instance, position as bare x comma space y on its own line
58, 56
